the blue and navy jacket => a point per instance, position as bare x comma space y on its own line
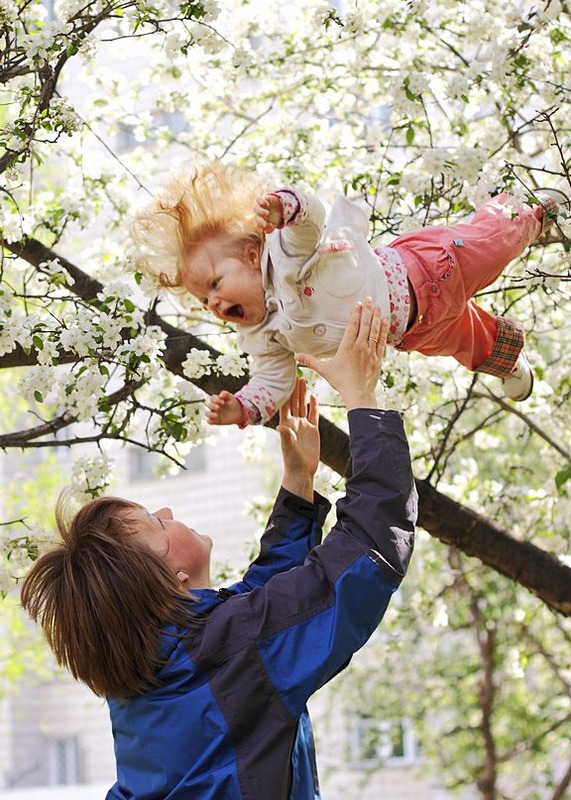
229, 721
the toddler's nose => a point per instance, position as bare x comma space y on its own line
213, 303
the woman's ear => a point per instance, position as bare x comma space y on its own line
182, 577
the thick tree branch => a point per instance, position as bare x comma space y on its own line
533, 568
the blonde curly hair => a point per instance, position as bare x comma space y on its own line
198, 203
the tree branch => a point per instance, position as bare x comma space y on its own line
533, 568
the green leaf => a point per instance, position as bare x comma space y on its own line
562, 477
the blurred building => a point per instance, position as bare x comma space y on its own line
55, 735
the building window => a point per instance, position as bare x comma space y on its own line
374, 742
63, 755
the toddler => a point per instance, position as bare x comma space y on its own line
270, 264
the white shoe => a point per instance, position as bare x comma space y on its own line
555, 194
518, 385
554, 202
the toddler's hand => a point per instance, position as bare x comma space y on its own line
268, 213
223, 409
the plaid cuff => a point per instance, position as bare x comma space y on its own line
508, 345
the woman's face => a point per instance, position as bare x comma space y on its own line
185, 552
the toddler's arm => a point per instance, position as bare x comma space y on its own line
298, 216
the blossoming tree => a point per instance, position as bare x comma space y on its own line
419, 109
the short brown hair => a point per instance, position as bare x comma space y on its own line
194, 205
102, 599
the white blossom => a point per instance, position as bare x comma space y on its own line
38, 380
48, 353
7, 343
120, 289
63, 115
355, 21
231, 364
52, 267
514, 666
173, 45
197, 363
211, 10
6, 299
440, 618
13, 226
80, 336
8, 12
242, 58
7, 581
93, 473
434, 160
84, 391
37, 46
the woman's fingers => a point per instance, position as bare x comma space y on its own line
313, 413
354, 322
374, 332
383, 333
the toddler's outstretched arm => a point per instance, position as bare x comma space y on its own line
224, 409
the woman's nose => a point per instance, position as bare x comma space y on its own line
164, 513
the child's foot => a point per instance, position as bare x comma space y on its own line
553, 201
518, 385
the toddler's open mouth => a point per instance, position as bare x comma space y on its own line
236, 311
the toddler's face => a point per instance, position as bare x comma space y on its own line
230, 287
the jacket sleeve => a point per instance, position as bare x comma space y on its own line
304, 222
272, 382
306, 623
293, 530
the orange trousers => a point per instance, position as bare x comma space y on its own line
447, 266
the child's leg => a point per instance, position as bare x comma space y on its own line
478, 340
495, 236
481, 248
446, 266
492, 344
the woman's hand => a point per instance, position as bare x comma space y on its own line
299, 434
354, 369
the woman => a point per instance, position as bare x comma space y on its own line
207, 689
